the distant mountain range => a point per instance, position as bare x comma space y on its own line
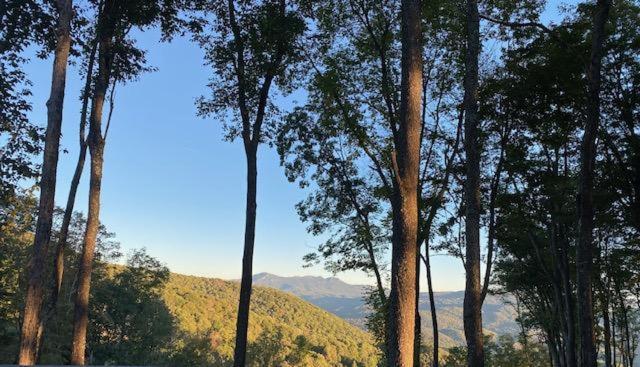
346, 301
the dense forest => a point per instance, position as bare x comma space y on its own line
478, 129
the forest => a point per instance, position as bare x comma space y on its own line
489, 131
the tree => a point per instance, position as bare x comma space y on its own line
543, 168
35, 290
406, 163
584, 249
473, 290
118, 61
58, 261
253, 49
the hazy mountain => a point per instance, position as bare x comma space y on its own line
310, 286
345, 300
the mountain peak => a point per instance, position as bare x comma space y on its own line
310, 285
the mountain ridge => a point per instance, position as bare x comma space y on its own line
346, 301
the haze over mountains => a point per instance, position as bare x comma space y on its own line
345, 300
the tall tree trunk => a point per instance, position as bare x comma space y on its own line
417, 332
584, 251
432, 305
401, 323
607, 328
568, 300
34, 297
58, 262
95, 142
247, 260
627, 350
613, 335
85, 267
473, 290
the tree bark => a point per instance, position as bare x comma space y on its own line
35, 289
95, 142
58, 262
247, 261
406, 162
473, 291
584, 251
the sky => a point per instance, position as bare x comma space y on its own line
172, 184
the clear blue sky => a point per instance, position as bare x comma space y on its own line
172, 185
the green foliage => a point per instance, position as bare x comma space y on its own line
131, 324
18, 217
207, 307
376, 320
23, 23
538, 92
256, 47
504, 351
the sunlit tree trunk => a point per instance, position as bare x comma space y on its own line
473, 290
584, 252
35, 289
58, 262
95, 142
401, 322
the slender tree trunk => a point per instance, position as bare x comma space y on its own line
58, 263
96, 144
75, 181
34, 298
628, 351
247, 260
85, 267
432, 305
417, 338
473, 290
402, 299
607, 329
613, 335
553, 353
567, 296
584, 252
376, 272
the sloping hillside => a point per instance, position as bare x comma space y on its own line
345, 300
205, 306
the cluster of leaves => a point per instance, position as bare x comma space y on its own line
22, 24
251, 47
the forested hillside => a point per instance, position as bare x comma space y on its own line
348, 302
207, 307
141, 314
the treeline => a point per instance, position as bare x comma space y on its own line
143, 315
428, 126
